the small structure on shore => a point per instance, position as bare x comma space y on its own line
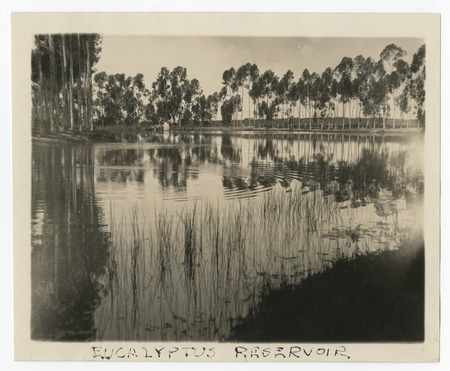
166, 126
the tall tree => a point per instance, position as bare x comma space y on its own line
61, 67
417, 84
230, 83
282, 91
71, 86
343, 72
53, 87
120, 99
256, 93
306, 101
390, 56
325, 94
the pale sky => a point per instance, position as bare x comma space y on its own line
206, 58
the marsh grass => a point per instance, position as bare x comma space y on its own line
194, 272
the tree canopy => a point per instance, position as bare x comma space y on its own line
67, 94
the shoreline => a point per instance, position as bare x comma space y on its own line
88, 137
376, 297
61, 137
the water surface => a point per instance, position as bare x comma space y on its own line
174, 237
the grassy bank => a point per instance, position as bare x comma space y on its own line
374, 297
100, 133
62, 137
363, 131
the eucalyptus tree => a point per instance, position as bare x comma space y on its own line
305, 94
230, 82
417, 82
252, 80
256, 93
241, 77
193, 92
89, 48
357, 77
119, 99
173, 96
109, 98
200, 112
40, 83
300, 87
246, 76
326, 93
268, 82
282, 89
315, 93
160, 94
213, 101
205, 108
293, 96
180, 94
391, 58
228, 108
343, 73
62, 68
373, 91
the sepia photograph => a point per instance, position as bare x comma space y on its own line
258, 192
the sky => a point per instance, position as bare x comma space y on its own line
206, 58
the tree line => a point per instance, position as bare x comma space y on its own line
361, 87
61, 75
173, 97
66, 95
355, 88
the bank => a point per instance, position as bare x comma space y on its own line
373, 298
101, 132
47, 137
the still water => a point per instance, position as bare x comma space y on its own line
175, 236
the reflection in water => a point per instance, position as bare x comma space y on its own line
69, 250
200, 224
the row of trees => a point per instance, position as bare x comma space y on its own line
354, 88
173, 97
61, 75
64, 97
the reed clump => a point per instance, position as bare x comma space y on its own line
192, 272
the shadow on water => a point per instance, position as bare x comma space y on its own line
69, 250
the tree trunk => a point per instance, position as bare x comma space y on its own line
359, 116
52, 88
88, 88
64, 83
393, 117
70, 98
309, 112
41, 98
242, 107
249, 115
343, 115
410, 109
350, 115
80, 86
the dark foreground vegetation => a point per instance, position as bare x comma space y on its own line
373, 298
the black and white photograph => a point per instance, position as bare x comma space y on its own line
269, 193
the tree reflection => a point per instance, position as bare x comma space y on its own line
69, 249
348, 166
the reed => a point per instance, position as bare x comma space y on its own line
191, 273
